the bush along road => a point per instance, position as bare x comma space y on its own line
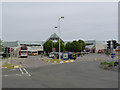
114, 66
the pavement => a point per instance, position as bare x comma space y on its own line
83, 73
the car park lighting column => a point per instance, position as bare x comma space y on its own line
59, 36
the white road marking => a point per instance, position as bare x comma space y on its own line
29, 74
18, 74
21, 70
26, 72
5, 75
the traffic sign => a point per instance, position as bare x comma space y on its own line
11, 49
112, 55
65, 56
53, 49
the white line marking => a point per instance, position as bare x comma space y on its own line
29, 75
26, 72
21, 70
18, 74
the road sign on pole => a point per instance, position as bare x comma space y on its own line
11, 53
65, 56
53, 49
112, 55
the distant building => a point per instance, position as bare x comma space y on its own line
32, 46
97, 45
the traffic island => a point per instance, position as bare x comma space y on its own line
113, 66
56, 61
10, 66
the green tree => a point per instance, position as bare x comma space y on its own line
75, 46
82, 45
68, 46
56, 46
118, 44
1, 46
47, 46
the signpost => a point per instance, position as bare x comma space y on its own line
11, 53
53, 49
112, 45
65, 56
11, 49
112, 56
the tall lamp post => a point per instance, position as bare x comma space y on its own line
59, 33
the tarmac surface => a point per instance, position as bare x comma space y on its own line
83, 73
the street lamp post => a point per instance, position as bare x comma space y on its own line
52, 45
59, 35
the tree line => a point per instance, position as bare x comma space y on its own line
1, 46
74, 46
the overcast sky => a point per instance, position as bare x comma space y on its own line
36, 21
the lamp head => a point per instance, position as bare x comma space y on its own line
62, 17
55, 27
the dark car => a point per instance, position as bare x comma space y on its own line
72, 55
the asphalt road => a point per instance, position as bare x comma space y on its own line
84, 73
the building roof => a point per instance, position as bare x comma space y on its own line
17, 43
54, 35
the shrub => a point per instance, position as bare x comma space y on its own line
111, 62
104, 63
115, 63
107, 53
114, 53
110, 65
105, 67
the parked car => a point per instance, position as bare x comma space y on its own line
100, 51
51, 55
72, 55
